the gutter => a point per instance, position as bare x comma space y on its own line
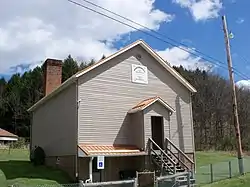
76, 133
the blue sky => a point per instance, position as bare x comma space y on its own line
28, 36
207, 36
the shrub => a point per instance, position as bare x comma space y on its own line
19, 144
38, 156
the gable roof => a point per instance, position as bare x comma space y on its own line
148, 102
4, 133
144, 45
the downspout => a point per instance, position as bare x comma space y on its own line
169, 128
192, 128
76, 133
90, 171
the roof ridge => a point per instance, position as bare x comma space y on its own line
113, 54
141, 103
143, 44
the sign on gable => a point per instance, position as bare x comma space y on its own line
139, 74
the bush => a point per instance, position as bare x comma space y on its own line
19, 144
38, 157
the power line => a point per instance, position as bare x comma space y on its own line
163, 35
151, 30
221, 64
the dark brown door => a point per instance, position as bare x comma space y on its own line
157, 130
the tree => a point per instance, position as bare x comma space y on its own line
103, 56
211, 107
70, 67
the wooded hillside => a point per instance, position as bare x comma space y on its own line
212, 109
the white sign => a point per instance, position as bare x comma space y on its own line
139, 74
100, 162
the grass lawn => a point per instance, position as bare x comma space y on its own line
242, 181
220, 161
210, 157
15, 168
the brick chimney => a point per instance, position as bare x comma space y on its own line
52, 75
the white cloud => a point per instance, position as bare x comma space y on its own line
201, 9
31, 31
240, 20
176, 57
243, 84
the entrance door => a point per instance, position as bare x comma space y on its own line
157, 128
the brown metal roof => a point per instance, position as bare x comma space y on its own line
4, 133
147, 102
110, 150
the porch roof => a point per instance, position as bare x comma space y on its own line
110, 150
148, 102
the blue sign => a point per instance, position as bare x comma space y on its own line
100, 162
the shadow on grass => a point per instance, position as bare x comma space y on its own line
15, 169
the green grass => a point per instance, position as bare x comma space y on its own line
220, 162
242, 181
210, 157
15, 168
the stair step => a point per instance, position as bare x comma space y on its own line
165, 159
167, 165
169, 155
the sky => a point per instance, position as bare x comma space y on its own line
31, 31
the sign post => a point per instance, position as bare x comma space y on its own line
100, 165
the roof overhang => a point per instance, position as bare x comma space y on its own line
148, 102
143, 44
7, 138
109, 150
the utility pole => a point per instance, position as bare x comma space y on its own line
235, 110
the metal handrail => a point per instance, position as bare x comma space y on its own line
181, 152
179, 159
178, 149
164, 153
172, 176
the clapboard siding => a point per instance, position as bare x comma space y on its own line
107, 94
54, 124
137, 129
155, 110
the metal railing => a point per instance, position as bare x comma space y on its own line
161, 156
180, 155
124, 183
176, 180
